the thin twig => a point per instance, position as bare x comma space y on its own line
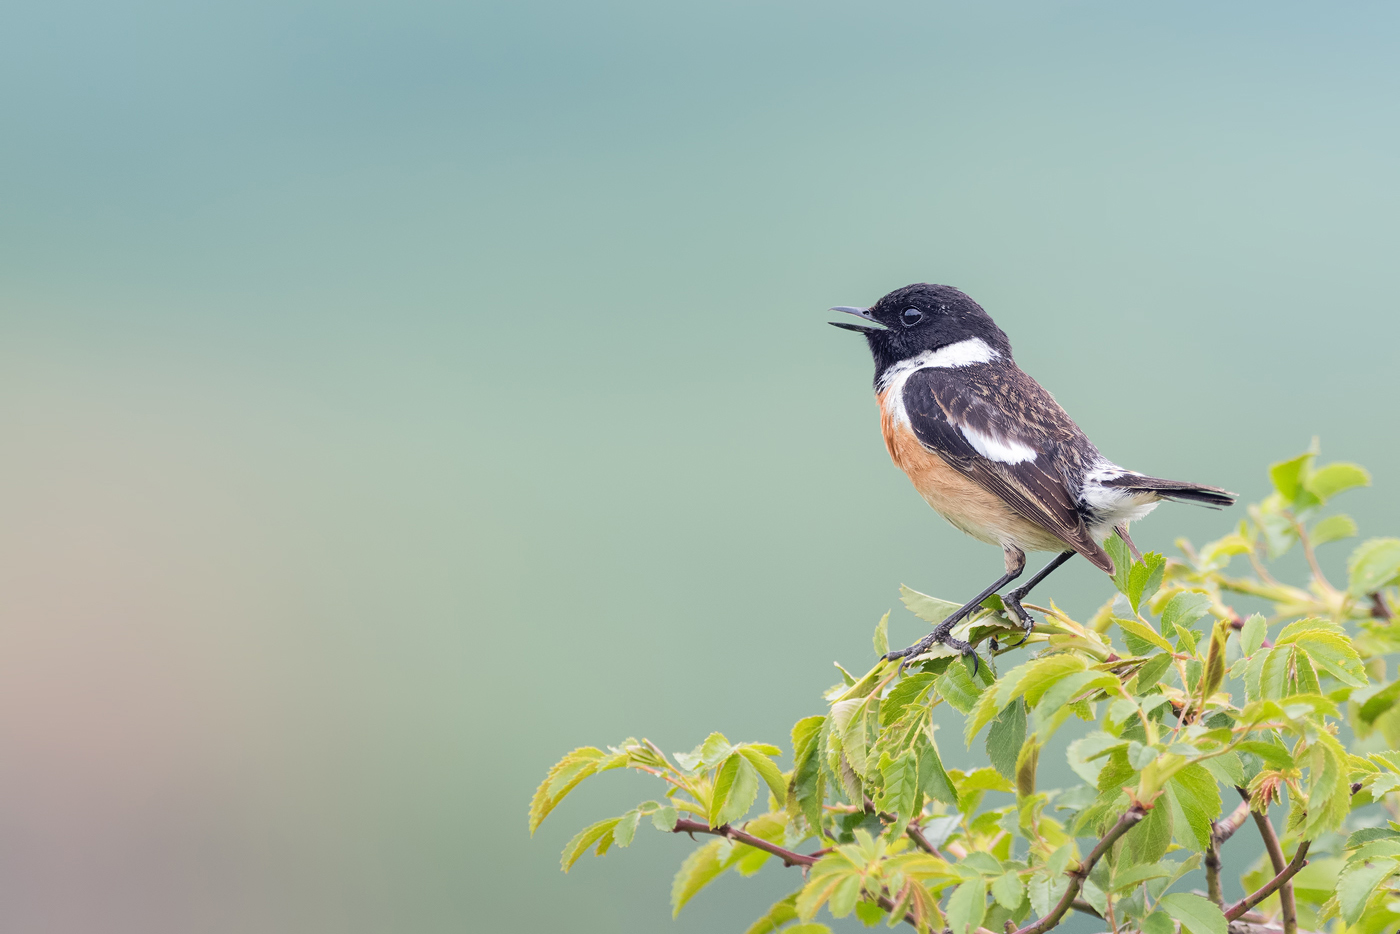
789, 857
1127, 822
922, 842
1285, 892
1225, 829
1300, 859
1311, 556
1213, 890
1379, 608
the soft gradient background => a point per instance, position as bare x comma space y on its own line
395, 396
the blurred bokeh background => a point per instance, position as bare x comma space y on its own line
397, 395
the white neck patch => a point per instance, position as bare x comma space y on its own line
963, 353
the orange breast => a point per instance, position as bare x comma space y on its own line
964, 503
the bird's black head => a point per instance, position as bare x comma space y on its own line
919, 318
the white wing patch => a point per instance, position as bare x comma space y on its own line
1001, 450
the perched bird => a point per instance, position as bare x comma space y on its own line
990, 450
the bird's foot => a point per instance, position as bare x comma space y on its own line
1012, 602
941, 635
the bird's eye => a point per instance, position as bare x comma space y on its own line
911, 317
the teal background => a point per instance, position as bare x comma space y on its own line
396, 396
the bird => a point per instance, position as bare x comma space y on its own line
991, 450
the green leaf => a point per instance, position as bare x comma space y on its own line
1148, 841
1152, 670
1275, 755
626, 827
767, 770
1136, 875
1184, 609
1009, 890
1143, 631
1288, 475
1159, 922
933, 778
1374, 564
811, 927
1122, 562
780, 914
901, 787
882, 636
664, 818
928, 609
1357, 882
805, 788
908, 691
1004, 739
1199, 798
1226, 768
1332, 529
1331, 652
1252, 634
1328, 481
956, 686
714, 750
563, 777
1144, 578
699, 870
736, 786
1196, 914
599, 833
967, 906
1379, 702
1086, 754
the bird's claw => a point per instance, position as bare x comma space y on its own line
939, 635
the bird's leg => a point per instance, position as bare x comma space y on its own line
1015, 564
1014, 598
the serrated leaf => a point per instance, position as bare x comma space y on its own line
1332, 529
1136, 875
562, 778
767, 770
956, 687
1199, 798
1275, 755
901, 787
929, 609
1159, 922
1086, 754
1184, 609
908, 691
599, 833
933, 778
1152, 670
1357, 882
882, 636
1332, 653
664, 818
1227, 769
626, 827
1005, 737
1252, 634
1009, 890
699, 869
1143, 631
1196, 914
1148, 841
714, 750
1373, 564
1327, 482
1287, 476
967, 906
736, 787
805, 788
1144, 579
780, 914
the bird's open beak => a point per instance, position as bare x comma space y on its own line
861, 313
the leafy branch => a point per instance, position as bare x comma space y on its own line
1179, 694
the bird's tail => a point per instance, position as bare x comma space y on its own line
1211, 496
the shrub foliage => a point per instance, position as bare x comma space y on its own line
1202, 720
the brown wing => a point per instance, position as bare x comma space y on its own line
1009, 436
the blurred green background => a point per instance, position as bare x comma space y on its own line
396, 396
